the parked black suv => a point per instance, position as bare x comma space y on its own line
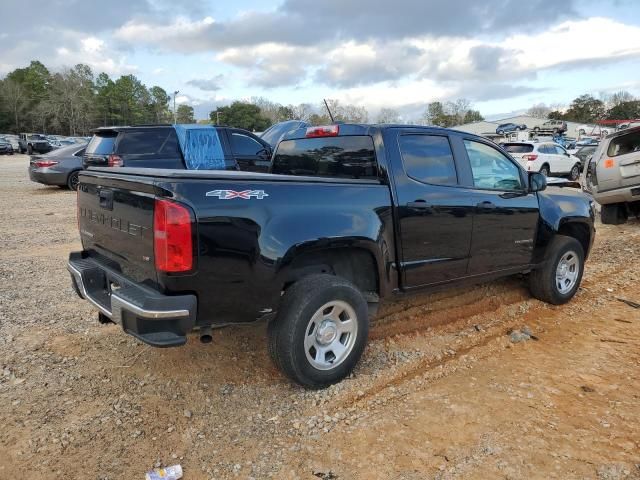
160, 146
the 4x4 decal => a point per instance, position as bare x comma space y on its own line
245, 194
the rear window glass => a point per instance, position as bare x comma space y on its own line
101, 144
625, 144
153, 142
342, 157
518, 147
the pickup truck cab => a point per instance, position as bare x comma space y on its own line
350, 215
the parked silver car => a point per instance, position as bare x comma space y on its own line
613, 176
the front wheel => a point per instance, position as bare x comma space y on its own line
500, 132
558, 280
29, 150
320, 331
575, 172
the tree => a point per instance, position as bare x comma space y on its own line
472, 116
539, 110
185, 114
625, 111
388, 115
345, 113
160, 105
585, 109
436, 115
302, 112
242, 115
556, 115
14, 99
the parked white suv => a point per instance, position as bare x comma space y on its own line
547, 158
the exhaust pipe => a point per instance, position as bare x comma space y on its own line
205, 335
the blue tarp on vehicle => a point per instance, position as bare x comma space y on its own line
201, 147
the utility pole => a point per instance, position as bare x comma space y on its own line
217, 117
175, 94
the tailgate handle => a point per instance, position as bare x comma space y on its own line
106, 199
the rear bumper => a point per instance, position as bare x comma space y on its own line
48, 177
156, 319
619, 195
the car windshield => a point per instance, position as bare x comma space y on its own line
518, 147
37, 137
275, 132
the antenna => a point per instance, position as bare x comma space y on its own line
328, 110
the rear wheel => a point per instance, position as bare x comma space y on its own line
72, 181
558, 280
614, 214
29, 149
545, 170
320, 332
575, 172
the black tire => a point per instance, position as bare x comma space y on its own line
542, 281
29, 150
614, 214
581, 132
72, 181
544, 169
536, 129
287, 332
575, 172
500, 132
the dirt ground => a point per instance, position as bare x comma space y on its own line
441, 392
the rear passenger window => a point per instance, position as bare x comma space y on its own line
428, 159
342, 157
153, 142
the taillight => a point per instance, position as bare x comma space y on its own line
45, 163
114, 161
172, 241
530, 158
324, 131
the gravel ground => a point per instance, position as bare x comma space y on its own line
482, 382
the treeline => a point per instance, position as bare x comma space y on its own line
74, 101
589, 109
259, 113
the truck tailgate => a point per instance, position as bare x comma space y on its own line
115, 219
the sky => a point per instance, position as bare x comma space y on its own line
502, 55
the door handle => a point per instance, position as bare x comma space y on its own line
419, 205
486, 205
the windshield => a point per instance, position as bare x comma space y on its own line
37, 137
273, 134
518, 147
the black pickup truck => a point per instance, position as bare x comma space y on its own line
349, 215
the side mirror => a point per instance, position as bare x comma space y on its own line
537, 182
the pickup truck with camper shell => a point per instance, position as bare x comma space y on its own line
348, 216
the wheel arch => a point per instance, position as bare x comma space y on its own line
358, 265
578, 230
